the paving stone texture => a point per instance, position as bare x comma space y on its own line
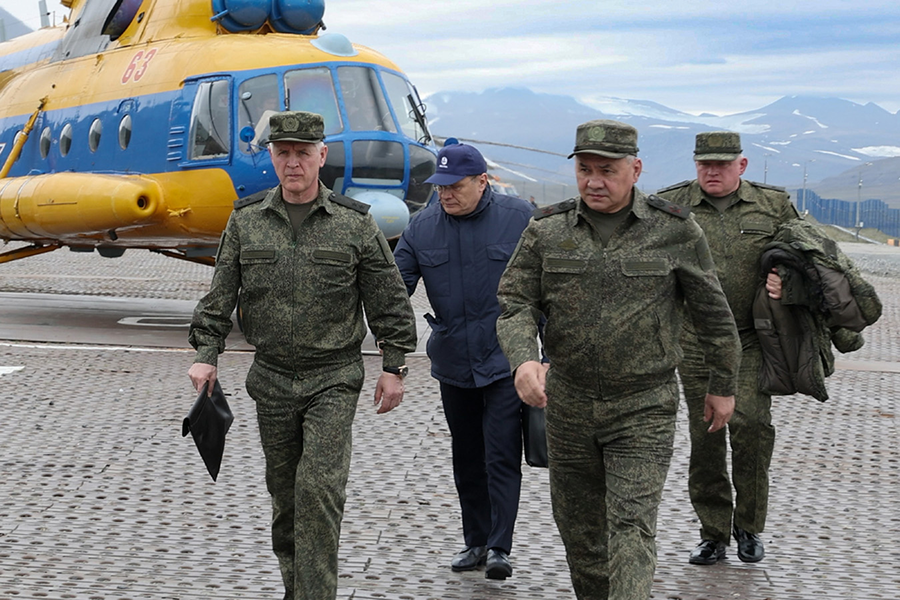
102, 499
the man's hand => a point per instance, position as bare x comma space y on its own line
388, 392
718, 409
773, 284
531, 379
200, 373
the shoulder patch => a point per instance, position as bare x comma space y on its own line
252, 199
553, 209
664, 205
348, 202
682, 184
766, 186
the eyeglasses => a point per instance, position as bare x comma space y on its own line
456, 187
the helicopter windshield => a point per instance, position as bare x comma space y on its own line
259, 100
365, 105
367, 109
313, 90
402, 94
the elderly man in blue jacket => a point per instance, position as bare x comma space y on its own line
459, 248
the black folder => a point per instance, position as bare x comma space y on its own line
208, 421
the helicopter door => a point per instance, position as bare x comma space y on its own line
209, 137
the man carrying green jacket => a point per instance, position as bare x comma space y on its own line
739, 218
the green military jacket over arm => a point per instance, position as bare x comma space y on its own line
302, 294
614, 313
737, 236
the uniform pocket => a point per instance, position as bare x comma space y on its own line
333, 269
254, 255
435, 266
434, 257
645, 268
500, 252
259, 273
557, 264
757, 226
331, 257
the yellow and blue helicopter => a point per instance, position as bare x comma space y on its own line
137, 123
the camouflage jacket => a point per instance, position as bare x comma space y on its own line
302, 295
824, 300
614, 314
737, 236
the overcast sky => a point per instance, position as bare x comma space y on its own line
716, 57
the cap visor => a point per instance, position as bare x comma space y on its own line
603, 153
444, 179
717, 157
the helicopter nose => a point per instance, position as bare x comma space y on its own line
390, 212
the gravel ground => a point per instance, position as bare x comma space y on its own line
880, 260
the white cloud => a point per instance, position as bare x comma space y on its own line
693, 56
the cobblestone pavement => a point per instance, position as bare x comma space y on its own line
102, 499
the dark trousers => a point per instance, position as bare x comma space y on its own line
305, 425
486, 427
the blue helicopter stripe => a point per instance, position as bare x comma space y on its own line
27, 56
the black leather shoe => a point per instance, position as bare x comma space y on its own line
708, 552
497, 566
469, 559
750, 547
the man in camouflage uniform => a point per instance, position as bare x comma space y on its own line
304, 261
739, 218
613, 272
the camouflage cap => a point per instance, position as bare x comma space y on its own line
296, 126
611, 139
718, 145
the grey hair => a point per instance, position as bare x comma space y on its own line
319, 145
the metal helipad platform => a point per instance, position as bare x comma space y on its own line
102, 499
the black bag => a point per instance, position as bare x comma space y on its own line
534, 434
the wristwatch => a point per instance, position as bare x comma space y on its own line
400, 372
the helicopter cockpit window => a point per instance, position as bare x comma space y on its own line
377, 162
65, 139
332, 173
46, 139
367, 110
120, 17
94, 134
400, 93
259, 100
210, 133
313, 90
421, 167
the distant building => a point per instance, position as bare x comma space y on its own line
874, 214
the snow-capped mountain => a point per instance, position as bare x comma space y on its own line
823, 136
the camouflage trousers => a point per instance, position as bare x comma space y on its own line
305, 426
609, 458
752, 438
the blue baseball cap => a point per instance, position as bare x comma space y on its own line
455, 162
